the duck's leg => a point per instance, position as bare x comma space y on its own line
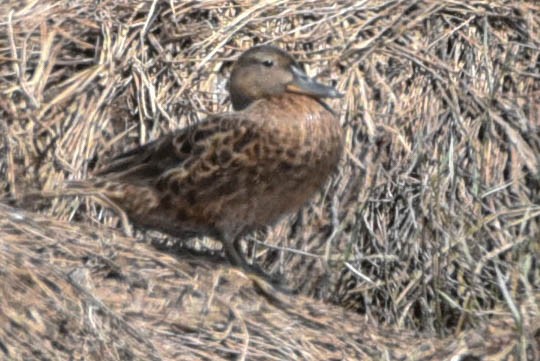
234, 256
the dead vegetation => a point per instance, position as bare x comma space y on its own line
77, 292
432, 224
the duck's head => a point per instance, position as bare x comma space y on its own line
265, 71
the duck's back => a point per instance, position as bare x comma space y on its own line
231, 173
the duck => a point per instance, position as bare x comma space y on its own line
236, 172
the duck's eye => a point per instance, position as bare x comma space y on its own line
268, 63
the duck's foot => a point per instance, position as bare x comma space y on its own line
278, 295
277, 282
255, 272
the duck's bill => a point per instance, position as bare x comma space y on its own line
303, 84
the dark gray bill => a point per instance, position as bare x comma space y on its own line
305, 85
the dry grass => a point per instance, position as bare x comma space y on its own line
433, 222
77, 292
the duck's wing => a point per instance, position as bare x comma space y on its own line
141, 163
209, 142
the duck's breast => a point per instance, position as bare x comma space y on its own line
300, 145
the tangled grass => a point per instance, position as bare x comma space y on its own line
433, 222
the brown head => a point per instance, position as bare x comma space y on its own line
266, 71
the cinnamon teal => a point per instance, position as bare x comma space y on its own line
234, 172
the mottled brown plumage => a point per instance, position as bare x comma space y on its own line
235, 172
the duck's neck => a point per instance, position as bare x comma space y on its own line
294, 113
240, 101
299, 106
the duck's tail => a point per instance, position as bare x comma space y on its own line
67, 189
79, 188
